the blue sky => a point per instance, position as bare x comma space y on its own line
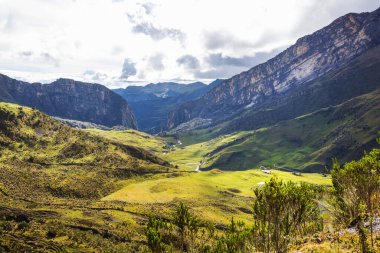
116, 42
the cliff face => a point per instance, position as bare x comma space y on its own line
70, 99
309, 58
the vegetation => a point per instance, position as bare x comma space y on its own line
284, 212
68, 190
51, 178
357, 194
307, 143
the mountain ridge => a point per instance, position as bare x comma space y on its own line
310, 57
67, 98
151, 110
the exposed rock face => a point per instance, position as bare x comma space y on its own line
311, 57
70, 99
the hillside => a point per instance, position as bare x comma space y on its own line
63, 189
294, 69
308, 142
355, 78
51, 180
70, 99
42, 156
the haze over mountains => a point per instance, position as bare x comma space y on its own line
153, 102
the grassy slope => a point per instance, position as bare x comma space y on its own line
186, 155
86, 203
215, 195
307, 142
61, 160
51, 178
150, 143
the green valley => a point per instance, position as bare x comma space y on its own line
189, 127
107, 183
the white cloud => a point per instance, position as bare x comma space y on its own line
43, 40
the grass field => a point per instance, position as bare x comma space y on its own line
100, 196
203, 185
308, 142
222, 192
216, 195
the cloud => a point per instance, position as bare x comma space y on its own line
48, 58
155, 62
158, 33
8, 24
316, 14
128, 70
223, 66
221, 73
188, 61
193, 39
117, 50
218, 59
221, 40
26, 53
267, 38
143, 22
5, 46
148, 7
95, 76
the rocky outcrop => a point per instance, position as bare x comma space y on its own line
309, 58
70, 99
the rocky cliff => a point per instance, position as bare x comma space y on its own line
70, 99
309, 58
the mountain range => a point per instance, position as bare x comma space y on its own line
152, 103
294, 70
320, 73
183, 167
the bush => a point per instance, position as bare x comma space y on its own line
284, 211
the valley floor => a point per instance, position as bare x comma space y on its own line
115, 221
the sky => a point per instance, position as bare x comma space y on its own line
128, 42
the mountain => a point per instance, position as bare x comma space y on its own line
70, 99
157, 90
152, 103
294, 69
308, 142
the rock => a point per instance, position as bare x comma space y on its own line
70, 99
309, 58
